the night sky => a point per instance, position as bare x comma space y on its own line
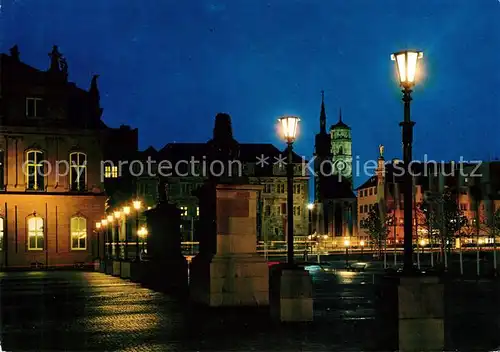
167, 67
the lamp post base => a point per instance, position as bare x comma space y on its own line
418, 314
117, 267
290, 295
108, 266
125, 269
231, 280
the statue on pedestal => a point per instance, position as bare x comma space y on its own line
223, 149
381, 151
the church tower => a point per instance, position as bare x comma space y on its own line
341, 149
322, 152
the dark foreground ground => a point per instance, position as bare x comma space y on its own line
87, 311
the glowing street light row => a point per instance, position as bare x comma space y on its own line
136, 204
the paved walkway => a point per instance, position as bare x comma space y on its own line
86, 311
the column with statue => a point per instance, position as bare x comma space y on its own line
228, 271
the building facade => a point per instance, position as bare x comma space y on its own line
431, 180
190, 166
51, 192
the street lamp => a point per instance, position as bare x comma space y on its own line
422, 245
98, 226
126, 212
310, 207
406, 64
346, 244
289, 126
104, 224
137, 206
110, 219
142, 233
117, 215
362, 244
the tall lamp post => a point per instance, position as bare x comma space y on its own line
104, 224
406, 64
126, 213
117, 215
98, 226
289, 126
137, 206
310, 208
142, 233
346, 244
110, 236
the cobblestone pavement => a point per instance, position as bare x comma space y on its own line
86, 311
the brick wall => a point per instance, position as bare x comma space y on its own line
56, 211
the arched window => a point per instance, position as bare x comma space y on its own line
341, 150
78, 171
35, 233
78, 233
2, 226
35, 176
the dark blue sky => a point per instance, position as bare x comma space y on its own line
169, 66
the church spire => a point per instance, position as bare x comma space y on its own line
322, 116
340, 114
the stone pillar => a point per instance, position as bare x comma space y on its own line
411, 314
291, 294
421, 314
229, 272
167, 269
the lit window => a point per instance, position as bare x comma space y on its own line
296, 210
78, 171
184, 211
111, 171
2, 163
280, 188
35, 233
296, 189
197, 211
78, 233
35, 179
35, 107
1, 233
